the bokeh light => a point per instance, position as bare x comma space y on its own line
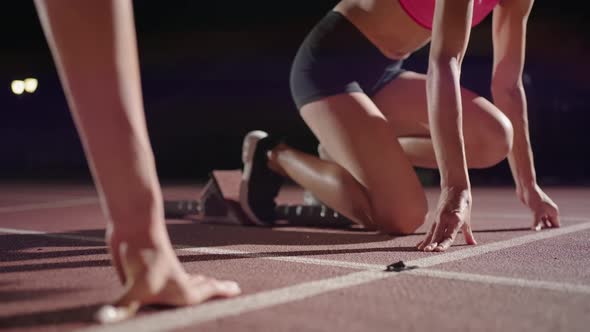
31, 85
17, 87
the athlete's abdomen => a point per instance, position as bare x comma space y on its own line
386, 25
422, 11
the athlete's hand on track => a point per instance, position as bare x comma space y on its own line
452, 214
152, 274
545, 211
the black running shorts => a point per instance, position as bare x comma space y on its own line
337, 58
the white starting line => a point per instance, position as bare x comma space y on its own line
49, 205
209, 311
183, 317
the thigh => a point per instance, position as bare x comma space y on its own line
357, 136
403, 102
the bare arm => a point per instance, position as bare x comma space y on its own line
95, 51
509, 37
94, 48
450, 35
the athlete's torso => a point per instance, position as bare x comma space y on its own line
400, 27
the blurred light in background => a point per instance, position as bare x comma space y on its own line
31, 85
18, 87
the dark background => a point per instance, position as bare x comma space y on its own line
214, 70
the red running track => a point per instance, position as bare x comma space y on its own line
55, 271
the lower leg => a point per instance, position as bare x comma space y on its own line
370, 179
328, 181
419, 150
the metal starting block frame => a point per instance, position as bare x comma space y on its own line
220, 203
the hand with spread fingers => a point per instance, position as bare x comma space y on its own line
545, 211
152, 274
452, 215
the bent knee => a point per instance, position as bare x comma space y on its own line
493, 141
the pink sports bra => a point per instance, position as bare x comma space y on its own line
422, 11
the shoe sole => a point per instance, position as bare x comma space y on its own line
248, 149
310, 199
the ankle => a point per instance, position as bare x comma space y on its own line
274, 156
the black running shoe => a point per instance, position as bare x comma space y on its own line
260, 185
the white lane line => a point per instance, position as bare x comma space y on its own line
52, 235
503, 281
527, 216
185, 317
423, 262
431, 260
282, 258
210, 250
476, 215
49, 205
486, 279
495, 246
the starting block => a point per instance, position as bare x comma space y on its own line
220, 203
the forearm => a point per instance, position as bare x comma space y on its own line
445, 119
512, 101
94, 47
